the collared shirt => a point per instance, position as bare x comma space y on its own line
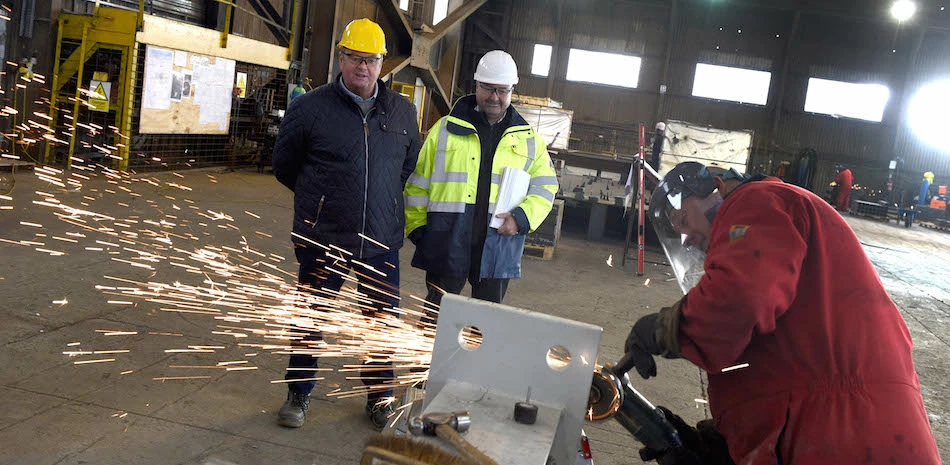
365, 104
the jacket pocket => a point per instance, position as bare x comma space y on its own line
316, 219
395, 134
755, 429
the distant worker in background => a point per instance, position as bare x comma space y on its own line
346, 150
844, 181
924, 199
658, 137
805, 351
451, 195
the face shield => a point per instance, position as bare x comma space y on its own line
671, 222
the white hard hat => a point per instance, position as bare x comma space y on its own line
661, 126
497, 67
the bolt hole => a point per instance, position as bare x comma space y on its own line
558, 358
470, 338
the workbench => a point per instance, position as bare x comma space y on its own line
603, 187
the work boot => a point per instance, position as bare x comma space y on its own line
294, 411
379, 413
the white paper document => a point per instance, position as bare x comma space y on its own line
158, 78
511, 192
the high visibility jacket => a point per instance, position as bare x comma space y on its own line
440, 197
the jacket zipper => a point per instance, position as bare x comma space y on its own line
319, 209
365, 176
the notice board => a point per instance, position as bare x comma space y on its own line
185, 93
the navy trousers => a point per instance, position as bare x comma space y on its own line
315, 271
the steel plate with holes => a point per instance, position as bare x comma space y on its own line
487, 356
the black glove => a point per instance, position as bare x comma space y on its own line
702, 445
417, 234
641, 345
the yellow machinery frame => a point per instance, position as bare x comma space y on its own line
106, 28
122, 30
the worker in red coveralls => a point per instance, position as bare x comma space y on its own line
809, 360
844, 181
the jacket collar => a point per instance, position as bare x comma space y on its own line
382, 93
464, 109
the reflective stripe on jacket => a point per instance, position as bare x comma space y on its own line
440, 196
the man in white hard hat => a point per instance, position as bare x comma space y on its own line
451, 195
346, 149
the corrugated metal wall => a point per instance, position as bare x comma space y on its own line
829, 45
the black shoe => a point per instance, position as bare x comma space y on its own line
379, 414
294, 411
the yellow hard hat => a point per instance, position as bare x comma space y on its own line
363, 35
929, 176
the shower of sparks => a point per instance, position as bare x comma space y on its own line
735, 367
168, 253
101, 360
610, 260
173, 378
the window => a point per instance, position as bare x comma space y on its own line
541, 63
603, 68
404, 4
733, 84
441, 11
848, 99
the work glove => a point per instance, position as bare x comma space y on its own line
655, 334
641, 345
702, 445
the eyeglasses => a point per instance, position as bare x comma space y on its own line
499, 91
371, 60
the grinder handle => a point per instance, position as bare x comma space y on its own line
624, 365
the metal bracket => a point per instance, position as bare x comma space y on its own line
515, 354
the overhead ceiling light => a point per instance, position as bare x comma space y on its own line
902, 10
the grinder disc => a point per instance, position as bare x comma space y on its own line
604, 398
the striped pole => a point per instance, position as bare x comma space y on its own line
640, 205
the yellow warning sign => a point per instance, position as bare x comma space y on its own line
242, 84
99, 93
100, 76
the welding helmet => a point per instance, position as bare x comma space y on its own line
685, 180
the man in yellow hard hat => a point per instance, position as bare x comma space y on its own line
346, 149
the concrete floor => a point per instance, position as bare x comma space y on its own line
53, 411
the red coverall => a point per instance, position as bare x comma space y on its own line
789, 290
844, 181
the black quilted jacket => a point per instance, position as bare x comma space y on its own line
348, 173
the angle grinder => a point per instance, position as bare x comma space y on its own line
611, 395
